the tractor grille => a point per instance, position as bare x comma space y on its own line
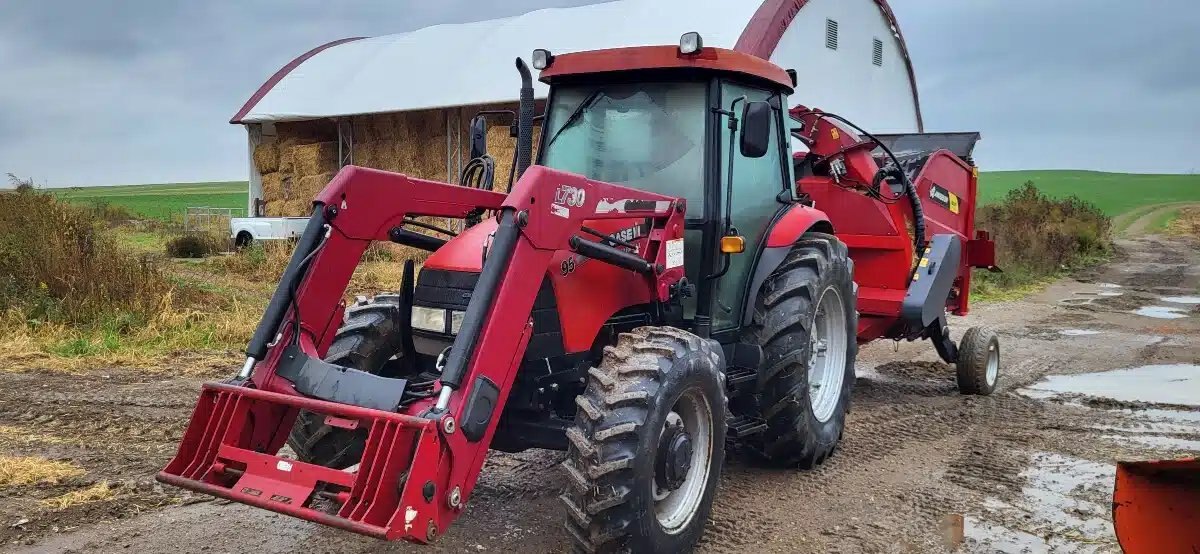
438, 288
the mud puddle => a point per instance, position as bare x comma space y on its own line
1175, 384
1161, 312
1064, 501
1078, 332
1063, 507
1190, 300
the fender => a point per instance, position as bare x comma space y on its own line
793, 222
789, 225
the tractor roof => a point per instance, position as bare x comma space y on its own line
663, 58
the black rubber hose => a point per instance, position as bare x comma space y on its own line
909, 188
524, 122
918, 212
479, 173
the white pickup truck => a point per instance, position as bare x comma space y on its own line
246, 230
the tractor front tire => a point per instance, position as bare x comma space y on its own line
806, 322
647, 446
369, 339
978, 361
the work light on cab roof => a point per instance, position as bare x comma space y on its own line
541, 59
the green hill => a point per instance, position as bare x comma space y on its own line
163, 200
1114, 193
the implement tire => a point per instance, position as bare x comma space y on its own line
978, 361
806, 323
369, 338
648, 443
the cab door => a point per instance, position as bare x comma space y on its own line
758, 184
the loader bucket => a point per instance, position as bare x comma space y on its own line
1156, 506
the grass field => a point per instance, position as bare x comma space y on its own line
162, 201
1113, 193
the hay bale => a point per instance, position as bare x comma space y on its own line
296, 207
308, 132
501, 147
273, 208
285, 154
314, 159
266, 157
272, 186
308, 187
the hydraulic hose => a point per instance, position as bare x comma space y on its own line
479, 173
895, 172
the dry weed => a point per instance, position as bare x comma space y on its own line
30, 470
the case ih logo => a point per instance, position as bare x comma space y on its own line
565, 198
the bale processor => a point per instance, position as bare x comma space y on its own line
667, 281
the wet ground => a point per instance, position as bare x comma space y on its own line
1086, 381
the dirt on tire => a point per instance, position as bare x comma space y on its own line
921, 468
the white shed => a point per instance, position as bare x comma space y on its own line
850, 56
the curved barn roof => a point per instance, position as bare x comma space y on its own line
471, 63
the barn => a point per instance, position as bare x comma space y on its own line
402, 102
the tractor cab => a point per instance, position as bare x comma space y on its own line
703, 124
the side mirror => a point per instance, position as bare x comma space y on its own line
756, 129
478, 134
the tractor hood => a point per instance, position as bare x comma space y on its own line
593, 290
464, 252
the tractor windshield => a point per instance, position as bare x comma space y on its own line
648, 136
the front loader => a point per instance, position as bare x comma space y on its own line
658, 288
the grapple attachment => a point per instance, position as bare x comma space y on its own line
378, 499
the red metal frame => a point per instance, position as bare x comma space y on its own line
230, 445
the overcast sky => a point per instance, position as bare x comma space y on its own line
140, 91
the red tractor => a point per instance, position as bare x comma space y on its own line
669, 278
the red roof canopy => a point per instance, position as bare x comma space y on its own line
664, 57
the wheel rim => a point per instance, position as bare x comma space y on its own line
993, 364
827, 355
674, 509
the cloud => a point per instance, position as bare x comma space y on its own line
141, 90
1089, 84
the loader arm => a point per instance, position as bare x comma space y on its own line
423, 453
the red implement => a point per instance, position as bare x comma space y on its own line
1156, 506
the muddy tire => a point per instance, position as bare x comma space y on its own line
978, 361
806, 323
368, 340
647, 447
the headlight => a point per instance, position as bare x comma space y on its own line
429, 319
456, 319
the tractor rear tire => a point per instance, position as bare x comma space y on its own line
369, 338
806, 323
978, 361
647, 446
